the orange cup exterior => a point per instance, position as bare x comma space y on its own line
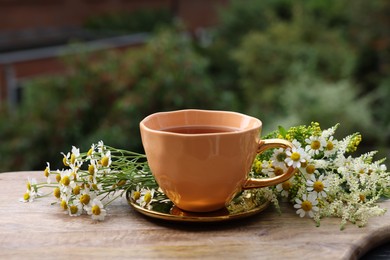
200, 172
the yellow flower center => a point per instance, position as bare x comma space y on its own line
28, 185
91, 169
65, 180
96, 210
318, 186
315, 145
72, 158
105, 160
362, 198
286, 185
136, 195
85, 198
76, 190
278, 171
46, 172
58, 177
306, 205
329, 146
57, 192
26, 196
94, 186
64, 205
64, 161
295, 156
73, 209
148, 197
89, 153
310, 169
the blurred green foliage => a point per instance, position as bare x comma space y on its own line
284, 52
104, 97
311, 99
288, 52
286, 62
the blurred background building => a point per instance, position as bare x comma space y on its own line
33, 34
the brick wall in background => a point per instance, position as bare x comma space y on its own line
24, 14
21, 19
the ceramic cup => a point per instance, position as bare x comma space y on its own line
201, 158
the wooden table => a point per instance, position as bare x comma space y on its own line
40, 230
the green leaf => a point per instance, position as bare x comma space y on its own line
282, 131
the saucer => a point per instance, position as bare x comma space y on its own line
240, 207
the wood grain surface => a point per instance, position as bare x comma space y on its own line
40, 230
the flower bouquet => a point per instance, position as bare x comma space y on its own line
328, 182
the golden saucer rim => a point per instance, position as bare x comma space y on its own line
170, 217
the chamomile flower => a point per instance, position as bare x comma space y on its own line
72, 159
315, 144
295, 157
100, 146
330, 147
66, 159
75, 209
57, 192
306, 206
96, 210
46, 172
64, 204
86, 197
75, 154
135, 194
285, 187
65, 181
76, 188
296, 143
31, 184
26, 197
31, 192
276, 170
278, 157
106, 159
318, 187
92, 168
91, 151
96, 187
359, 167
146, 198
309, 169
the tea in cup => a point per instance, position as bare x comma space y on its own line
201, 158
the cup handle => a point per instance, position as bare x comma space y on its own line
260, 183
